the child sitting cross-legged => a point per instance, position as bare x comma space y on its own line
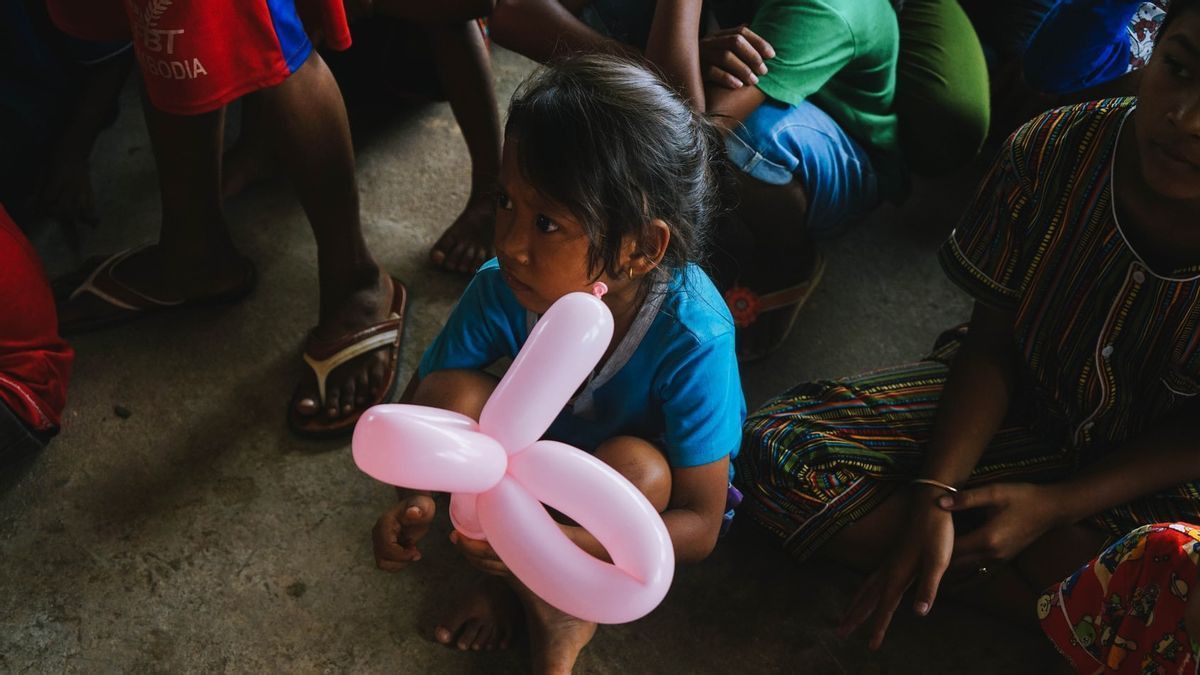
607, 175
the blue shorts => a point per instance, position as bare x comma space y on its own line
781, 142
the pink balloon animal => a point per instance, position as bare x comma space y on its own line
500, 474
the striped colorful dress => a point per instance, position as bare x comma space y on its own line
1108, 348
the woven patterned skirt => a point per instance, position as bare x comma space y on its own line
824, 454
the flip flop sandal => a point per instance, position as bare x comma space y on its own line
126, 303
326, 357
747, 307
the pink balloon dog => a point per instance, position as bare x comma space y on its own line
500, 474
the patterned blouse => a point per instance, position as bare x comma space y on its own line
1109, 346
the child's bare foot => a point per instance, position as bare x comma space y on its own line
351, 387
484, 618
555, 638
467, 243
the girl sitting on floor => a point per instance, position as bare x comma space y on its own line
607, 175
1065, 414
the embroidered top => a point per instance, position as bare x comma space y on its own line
1109, 345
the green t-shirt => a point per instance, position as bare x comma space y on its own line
841, 55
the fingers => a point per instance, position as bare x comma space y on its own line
861, 607
759, 44
480, 554
973, 549
756, 41
746, 53
734, 57
889, 599
928, 581
415, 519
973, 498
397, 532
715, 76
735, 65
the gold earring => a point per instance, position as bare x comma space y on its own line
631, 274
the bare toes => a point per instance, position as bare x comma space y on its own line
469, 634
308, 406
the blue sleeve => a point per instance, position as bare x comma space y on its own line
703, 405
486, 325
1080, 44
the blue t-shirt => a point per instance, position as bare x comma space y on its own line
673, 380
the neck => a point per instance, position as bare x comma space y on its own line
624, 300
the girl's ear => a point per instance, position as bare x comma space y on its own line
646, 254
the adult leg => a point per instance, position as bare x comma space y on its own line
825, 467
195, 257
941, 87
310, 134
250, 159
465, 70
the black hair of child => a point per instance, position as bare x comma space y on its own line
609, 141
1174, 11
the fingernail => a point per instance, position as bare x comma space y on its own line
946, 501
922, 608
762, 69
753, 78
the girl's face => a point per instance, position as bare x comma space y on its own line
1167, 119
541, 246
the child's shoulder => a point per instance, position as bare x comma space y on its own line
693, 310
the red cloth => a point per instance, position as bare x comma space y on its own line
198, 55
35, 363
1123, 612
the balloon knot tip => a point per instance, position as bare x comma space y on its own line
599, 289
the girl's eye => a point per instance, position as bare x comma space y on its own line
1177, 69
502, 201
544, 224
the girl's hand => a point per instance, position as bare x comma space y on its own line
397, 532
480, 554
733, 57
1016, 515
921, 556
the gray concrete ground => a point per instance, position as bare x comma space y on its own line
199, 535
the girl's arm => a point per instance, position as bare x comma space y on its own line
693, 515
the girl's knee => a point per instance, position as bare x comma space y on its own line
463, 391
641, 463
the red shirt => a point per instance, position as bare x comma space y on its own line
35, 363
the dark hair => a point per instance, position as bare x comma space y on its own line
608, 140
1174, 11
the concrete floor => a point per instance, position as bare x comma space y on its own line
199, 535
